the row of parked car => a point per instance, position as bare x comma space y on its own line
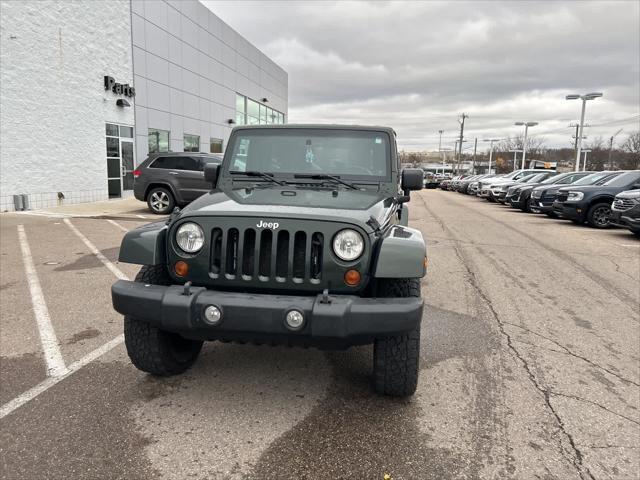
600, 199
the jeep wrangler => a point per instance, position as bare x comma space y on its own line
302, 240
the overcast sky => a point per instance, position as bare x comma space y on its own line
415, 66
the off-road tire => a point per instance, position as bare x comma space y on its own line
396, 358
595, 216
151, 349
160, 201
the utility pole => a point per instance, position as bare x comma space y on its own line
611, 147
475, 147
464, 116
524, 142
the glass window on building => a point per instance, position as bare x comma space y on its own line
126, 132
158, 140
215, 145
241, 109
112, 130
263, 114
253, 112
191, 143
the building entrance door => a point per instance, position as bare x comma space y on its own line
120, 159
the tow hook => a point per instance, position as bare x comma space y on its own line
325, 296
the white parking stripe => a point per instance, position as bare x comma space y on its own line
105, 261
48, 339
45, 385
118, 225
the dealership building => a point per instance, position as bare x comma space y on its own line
90, 88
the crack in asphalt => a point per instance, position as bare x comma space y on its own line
590, 402
567, 351
578, 457
618, 269
595, 277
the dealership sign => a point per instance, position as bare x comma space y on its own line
118, 88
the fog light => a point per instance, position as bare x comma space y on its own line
294, 320
181, 268
212, 315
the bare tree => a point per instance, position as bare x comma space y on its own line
631, 147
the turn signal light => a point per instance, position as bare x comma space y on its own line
352, 278
181, 268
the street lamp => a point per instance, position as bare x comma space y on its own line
584, 98
491, 140
440, 150
524, 143
515, 156
584, 161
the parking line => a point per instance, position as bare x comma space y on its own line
45, 385
105, 261
118, 225
48, 340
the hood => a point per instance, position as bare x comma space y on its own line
327, 204
591, 188
629, 194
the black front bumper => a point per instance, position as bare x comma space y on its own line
627, 218
338, 322
570, 211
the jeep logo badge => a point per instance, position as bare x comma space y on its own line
271, 225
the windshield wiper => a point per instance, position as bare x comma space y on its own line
326, 176
254, 173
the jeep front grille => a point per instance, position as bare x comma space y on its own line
249, 254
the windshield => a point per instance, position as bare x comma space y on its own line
526, 178
553, 179
624, 179
289, 152
538, 178
593, 178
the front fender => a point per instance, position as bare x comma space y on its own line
401, 254
145, 245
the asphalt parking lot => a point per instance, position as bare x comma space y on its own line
530, 366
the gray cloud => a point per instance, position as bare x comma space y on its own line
417, 65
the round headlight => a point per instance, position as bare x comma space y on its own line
190, 237
348, 244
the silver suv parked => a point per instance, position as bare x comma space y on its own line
167, 180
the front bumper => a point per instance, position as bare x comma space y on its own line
629, 218
341, 321
570, 211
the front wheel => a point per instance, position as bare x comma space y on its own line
151, 349
598, 215
396, 359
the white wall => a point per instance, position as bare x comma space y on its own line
188, 66
53, 107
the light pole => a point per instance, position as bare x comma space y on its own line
440, 150
515, 157
584, 98
491, 142
611, 147
584, 161
524, 142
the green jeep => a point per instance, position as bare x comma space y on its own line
303, 240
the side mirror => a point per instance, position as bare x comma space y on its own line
412, 179
211, 172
